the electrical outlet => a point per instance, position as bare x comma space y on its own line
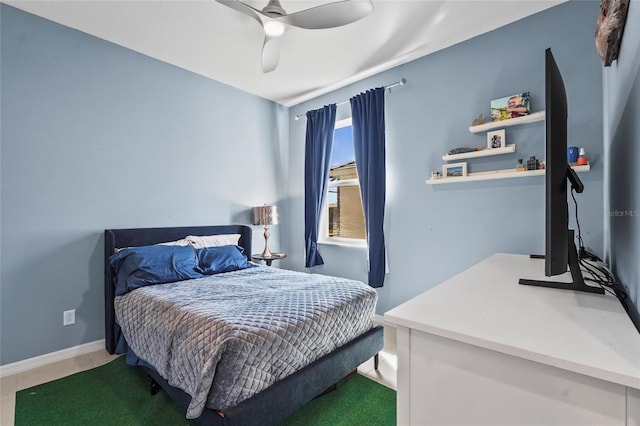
69, 317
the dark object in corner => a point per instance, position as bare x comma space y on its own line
154, 387
611, 21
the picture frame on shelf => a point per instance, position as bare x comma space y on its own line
454, 170
496, 139
513, 106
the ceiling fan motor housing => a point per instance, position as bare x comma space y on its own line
274, 9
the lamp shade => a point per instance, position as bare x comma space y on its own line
265, 215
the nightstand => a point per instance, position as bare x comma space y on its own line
269, 259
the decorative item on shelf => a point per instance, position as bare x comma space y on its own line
582, 158
532, 163
572, 155
496, 139
464, 149
500, 174
478, 121
543, 165
435, 175
265, 215
510, 107
520, 167
454, 170
532, 117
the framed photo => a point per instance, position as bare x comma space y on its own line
496, 139
510, 107
454, 170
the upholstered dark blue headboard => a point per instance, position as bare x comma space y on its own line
120, 238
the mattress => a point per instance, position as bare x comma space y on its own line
226, 337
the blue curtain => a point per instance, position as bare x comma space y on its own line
367, 112
319, 140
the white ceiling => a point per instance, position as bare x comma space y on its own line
210, 39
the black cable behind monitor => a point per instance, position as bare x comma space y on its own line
600, 275
573, 260
576, 275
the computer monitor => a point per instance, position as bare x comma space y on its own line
560, 247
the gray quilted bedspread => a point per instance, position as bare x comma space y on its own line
226, 337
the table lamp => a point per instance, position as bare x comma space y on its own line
265, 215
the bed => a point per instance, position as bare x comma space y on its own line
283, 388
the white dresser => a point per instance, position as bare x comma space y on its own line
481, 349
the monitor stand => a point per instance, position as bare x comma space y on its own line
576, 275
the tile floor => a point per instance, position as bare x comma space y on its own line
386, 373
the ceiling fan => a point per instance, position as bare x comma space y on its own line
275, 21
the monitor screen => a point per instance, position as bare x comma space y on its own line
560, 248
556, 208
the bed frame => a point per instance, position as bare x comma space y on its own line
272, 404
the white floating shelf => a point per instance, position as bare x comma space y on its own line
483, 153
492, 125
498, 174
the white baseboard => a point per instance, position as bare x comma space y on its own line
50, 358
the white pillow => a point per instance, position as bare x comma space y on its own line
213, 240
182, 242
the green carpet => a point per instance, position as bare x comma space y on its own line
357, 401
117, 394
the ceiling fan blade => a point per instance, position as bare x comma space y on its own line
329, 15
270, 53
244, 8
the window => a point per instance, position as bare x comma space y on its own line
342, 218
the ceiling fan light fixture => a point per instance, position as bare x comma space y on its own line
273, 28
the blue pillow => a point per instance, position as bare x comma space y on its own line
215, 260
158, 264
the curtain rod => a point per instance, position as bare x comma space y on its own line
400, 82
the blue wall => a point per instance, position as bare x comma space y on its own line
622, 153
96, 136
434, 232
